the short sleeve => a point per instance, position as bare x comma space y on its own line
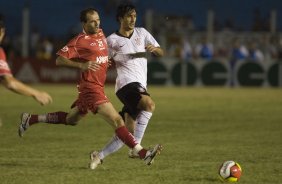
149, 39
70, 50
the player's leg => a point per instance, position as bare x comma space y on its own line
129, 123
115, 143
59, 117
139, 106
147, 107
108, 113
140, 124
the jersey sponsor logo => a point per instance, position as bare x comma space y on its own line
138, 41
101, 44
102, 59
65, 49
92, 44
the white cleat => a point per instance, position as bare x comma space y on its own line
94, 160
24, 123
132, 154
152, 153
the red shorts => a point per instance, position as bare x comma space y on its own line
89, 100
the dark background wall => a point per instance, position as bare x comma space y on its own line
61, 16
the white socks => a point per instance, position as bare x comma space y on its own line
115, 143
141, 125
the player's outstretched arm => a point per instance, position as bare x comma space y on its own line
16, 86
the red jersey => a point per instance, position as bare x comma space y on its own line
4, 67
84, 48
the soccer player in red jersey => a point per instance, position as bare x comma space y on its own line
7, 79
88, 52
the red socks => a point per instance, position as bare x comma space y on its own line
125, 136
128, 139
33, 119
53, 118
56, 117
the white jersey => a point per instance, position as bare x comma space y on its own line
130, 67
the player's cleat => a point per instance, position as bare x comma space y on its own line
132, 154
94, 160
25, 117
152, 153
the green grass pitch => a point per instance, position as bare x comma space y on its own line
198, 127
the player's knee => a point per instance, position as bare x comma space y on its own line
150, 106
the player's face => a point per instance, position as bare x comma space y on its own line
92, 24
129, 20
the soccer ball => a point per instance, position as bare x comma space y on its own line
230, 171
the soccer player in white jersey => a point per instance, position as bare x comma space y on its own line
127, 48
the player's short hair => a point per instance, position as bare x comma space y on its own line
2, 24
123, 9
83, 14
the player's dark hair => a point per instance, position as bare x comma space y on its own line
2, 24
83, 14
123, 9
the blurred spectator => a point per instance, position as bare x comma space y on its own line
255, 54
238, 51
186, 49
268, 46
45, 50
34, 40
175, 49
204, 49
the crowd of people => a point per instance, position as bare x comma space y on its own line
182, 40
261, 47
257, 47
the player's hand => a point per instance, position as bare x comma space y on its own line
90, 65
43, 98
151, 48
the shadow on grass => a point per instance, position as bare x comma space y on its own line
11, 164
205, 180
212, 179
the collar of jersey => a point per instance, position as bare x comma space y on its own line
125, 36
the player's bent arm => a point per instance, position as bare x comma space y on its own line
158, 51
61, 61
16, 86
